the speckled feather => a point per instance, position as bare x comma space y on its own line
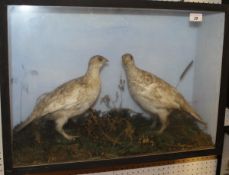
69, 99
154, 94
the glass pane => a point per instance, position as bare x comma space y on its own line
158, 93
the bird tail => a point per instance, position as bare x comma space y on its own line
195, 115
25, 123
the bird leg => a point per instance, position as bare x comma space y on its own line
60, 122
163, 117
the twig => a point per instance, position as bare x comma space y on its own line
185, 72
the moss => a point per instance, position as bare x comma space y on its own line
106, 135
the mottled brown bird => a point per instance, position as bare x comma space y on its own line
70, 99
153, 94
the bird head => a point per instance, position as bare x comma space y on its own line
127, 60
98, 61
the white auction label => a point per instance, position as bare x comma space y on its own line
196, 17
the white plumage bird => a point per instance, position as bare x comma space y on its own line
153, 94
69, 99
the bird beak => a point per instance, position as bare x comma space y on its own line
106, 61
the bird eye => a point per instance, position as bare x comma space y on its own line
100, 59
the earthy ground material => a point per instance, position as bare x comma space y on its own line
106, 135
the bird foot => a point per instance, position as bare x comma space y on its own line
68, 137
153, 125
71, 138
160, 131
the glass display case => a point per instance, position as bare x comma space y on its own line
92, 84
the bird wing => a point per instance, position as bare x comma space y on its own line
41, 97
63, 97
162, 94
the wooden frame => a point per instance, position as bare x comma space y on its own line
5, 95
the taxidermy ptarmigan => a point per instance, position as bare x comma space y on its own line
70, 99
153, 94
